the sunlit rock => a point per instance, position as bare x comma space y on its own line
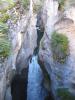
69, 13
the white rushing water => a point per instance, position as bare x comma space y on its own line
35, 90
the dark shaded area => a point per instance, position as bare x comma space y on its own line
49, 97
40, 32
39, 37
45, 73
19, 86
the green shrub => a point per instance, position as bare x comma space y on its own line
37, 8
4, 47
61, 4
7, 1
25, 3
3, 28
4, 41
59, 46
64, 94
11, 4
4, 18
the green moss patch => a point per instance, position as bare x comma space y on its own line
59, 46
61, 4
64, 94
3, 28
4, 41
5, 47
11, 4
4, 17
25, 3
37, 8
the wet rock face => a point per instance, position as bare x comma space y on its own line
40, 31
8, 94
2, 78
63, 73
2, 87
47, 80
40, 23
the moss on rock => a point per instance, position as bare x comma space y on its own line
37, 8
25, 3
64, 94
3, 27
10, 5
61, 4
59, 46
47, 80
4, 17
4, 41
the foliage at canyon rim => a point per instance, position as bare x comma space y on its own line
59, 46
4, 40
37, 8
25, 3
4, 18
61, 4
10, 5
64, 94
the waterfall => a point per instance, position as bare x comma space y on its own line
35, 90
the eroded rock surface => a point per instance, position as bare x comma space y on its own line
62, 75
